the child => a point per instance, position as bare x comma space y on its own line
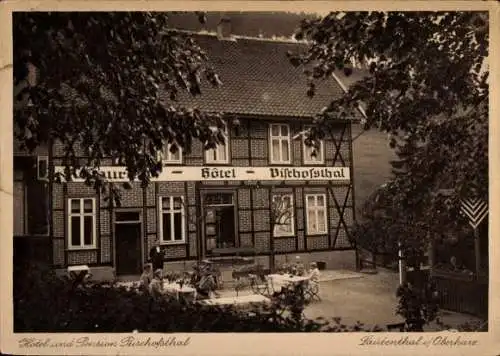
314, 273
156, 286
146, 277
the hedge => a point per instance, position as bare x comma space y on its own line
44, 302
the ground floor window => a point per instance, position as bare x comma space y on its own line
282, 214
316, 214
172, 220
82, 223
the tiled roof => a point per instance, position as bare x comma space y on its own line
258, 79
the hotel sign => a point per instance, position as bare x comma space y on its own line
221, 173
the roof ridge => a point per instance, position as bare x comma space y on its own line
275, 39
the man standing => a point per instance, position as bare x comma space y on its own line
157, 255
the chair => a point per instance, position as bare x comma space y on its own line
312, 292
259, 288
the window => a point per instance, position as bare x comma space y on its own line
172, 221
172, 158
316, 214
42, 167
280, 143
318, 158
82, 223
219, 154
283, 215
218, 199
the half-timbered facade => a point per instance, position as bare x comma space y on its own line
221, 202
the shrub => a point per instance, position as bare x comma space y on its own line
417, 305
44, 302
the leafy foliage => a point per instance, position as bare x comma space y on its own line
417, 305
428, 90
106, 84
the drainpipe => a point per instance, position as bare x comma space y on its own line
271, 245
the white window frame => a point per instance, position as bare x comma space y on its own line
219, 148
280, 138
292, 217
171, 212
316, 208
167, 156
82, 214
308, 159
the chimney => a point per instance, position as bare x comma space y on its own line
224, 28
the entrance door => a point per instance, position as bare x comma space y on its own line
220, 225
128, 234
224, 216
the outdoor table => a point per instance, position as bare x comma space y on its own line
240, 300
284, 279
290, 279
176, 289
78, 271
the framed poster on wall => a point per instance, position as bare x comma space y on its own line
210, 229
210, 217
211, 244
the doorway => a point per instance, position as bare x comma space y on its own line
220, 221
128, 235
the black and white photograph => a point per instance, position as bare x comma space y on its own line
206, 171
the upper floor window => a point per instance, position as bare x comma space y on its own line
316, 214
313, 155
172, 158
280, 143
81, 223
219, 154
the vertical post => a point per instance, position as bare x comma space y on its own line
430, 252
402, 265
271, 245
272, 214
477, 252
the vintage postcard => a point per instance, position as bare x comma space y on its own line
249, 178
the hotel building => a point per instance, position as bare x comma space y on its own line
215, 203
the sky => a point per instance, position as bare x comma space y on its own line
253, 24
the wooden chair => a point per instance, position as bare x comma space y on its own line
312, 292
259, 285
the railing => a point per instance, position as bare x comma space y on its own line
459, 292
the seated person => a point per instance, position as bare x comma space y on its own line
156, 285
314, 273
299, 269
146, 277
206, 284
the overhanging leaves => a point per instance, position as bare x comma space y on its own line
107, 84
